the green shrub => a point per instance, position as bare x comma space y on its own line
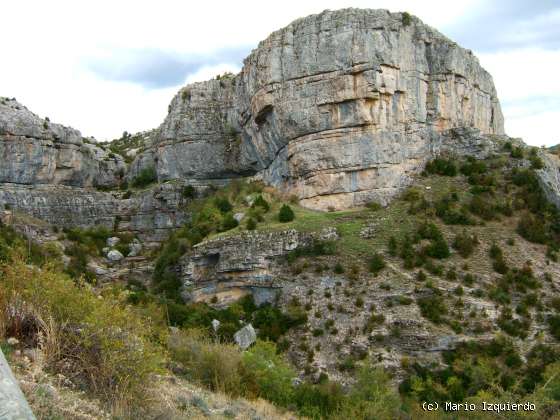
145, 177
438, 249
392, 246
406, 19
473, 166
441, 166
286, 214
262, 203
317, 248
338, 268
536, 162
374, 206
532, 229
516, 327
377, 263
372, 396
223, 204
228, 222
433, 308
451, 212
251, 224
267, 375
412, 194
554, 326
215, 365
483, 207
517, 152
102, 344
188, 191
465, 244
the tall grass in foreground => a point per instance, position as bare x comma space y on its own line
105, 347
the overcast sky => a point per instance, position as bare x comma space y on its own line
108, 66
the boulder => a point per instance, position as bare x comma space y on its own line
215, 325
135, 248
245, 336
114, 255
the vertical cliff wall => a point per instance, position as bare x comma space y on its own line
338, 109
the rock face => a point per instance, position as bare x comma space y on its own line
150, 214
338, 109
36, 151
228, 268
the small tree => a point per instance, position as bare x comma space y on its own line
286, 214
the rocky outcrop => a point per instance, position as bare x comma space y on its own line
35, 151
149, 214
339, 109
230, 267
549, 177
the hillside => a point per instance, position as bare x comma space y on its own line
341, 230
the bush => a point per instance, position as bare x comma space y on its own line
188, 191
377, 263
102, 344
517, 152
465, 244
316, 249
392, 246
338, 268
267, 375
473, 166
214, 365
441, 166
228, 222
438, 249
223, 204
536, 162
251, 224
412, 194
554, 326
372, 396
286, 214
433, 308
406, 19
262, 203
532, 229
483, 207
145, 177
374, 206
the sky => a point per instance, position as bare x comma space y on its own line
104, 67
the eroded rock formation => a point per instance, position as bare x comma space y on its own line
338, 109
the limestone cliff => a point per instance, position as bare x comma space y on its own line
51, 172
338, 108
35, 151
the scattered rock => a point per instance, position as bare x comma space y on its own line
113, 241
239, 216
245, 336
135, 248
115, 255
329, 234
215, 325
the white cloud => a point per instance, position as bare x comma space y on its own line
528, 88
